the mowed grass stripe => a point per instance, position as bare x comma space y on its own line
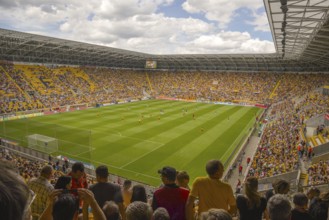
188, 152
116, 149
146, 163
159, 128
221, 143
138, 143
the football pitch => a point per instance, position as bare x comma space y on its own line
136, 139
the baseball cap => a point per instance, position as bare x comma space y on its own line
168, 172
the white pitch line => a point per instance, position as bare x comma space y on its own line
141, 156
84, 152
83, 158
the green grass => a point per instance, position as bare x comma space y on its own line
135, 149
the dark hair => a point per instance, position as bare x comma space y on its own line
138, 194
127, 183
213, 166
300, 199
65, 207
319, 208
102, 171
78, 166
280, 186
14, 193
251, 187
62, 182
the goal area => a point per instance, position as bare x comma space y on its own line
42, 143
49, 138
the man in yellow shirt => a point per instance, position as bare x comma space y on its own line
211, 191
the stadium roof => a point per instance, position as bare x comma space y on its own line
300, 30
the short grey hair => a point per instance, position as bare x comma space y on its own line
139, 211
215, 214
161, 214
279, 207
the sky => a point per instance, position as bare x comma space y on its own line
148, 26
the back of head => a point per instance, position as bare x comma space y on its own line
102, 172
281, 187
251, 187
300, 199
46, 171
279, 207
213, 166
111, 210
127, 184
216, 214
62, 182
168, 174
319, 209
139, 211
65, 207
78, 166
182, 177
14, 193
161, 214
313, 192
138, 194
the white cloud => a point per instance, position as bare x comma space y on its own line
228, 42
260, 22
221, 11
132, 24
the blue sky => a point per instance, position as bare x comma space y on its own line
149, 26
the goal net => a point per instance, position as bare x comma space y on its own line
42, 143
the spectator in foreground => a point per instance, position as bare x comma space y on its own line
106, 191
78, 175
111, 211
64, 206
252, 205
216, 214
41, 186
138, 194
183, 179
300, 212
64, 182
139, 211
15, 196
211, 191
171, 197
279, 207
313, 194
279, 187
126, 192
161, 214
319, 209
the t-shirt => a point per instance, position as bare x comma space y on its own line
79, 183
106, 192
212, 193
246, 213
298, 215
173, 199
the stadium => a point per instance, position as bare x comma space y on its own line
264, 115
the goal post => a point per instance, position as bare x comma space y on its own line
42, 143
